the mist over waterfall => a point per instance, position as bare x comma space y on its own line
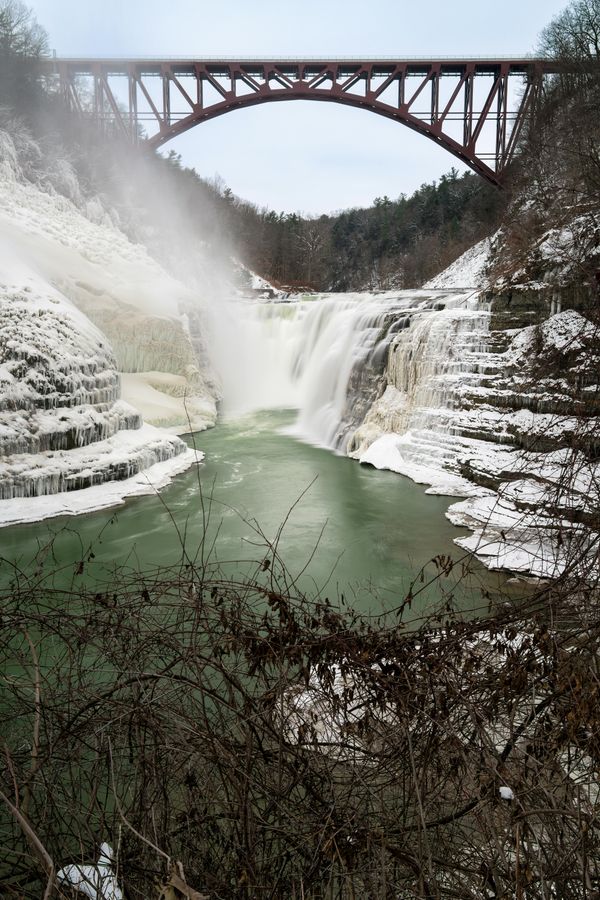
99, 344
252, 348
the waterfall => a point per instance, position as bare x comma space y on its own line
342, 350
406, 355
298, 355
252, 347
355, 366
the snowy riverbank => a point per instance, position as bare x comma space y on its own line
499, 419
150, 480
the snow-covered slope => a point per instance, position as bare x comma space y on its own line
68, 441
468, 271
63, 427
153, 322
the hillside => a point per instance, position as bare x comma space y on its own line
394, 244
78, 399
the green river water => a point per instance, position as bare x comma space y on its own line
349, 530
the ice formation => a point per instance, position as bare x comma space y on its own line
79, 305
63, 426
155, 324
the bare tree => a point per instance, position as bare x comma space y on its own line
22, 43
236, 739
20, 34
574, 35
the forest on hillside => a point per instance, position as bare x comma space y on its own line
395, 243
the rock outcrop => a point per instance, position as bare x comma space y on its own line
63, 425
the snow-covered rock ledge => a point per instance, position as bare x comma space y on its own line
20, 511
68, 443
507, 420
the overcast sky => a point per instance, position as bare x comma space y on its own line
303, 156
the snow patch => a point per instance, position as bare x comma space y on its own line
468, 271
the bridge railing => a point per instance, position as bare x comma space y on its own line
274, 57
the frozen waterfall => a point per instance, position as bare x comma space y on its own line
355, 366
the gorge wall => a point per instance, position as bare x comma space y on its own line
95, 338
456, 392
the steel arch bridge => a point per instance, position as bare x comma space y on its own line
474, 108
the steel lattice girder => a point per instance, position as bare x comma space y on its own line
465, 106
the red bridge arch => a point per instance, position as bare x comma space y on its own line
473, 108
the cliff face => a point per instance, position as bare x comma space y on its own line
476, 402
539, 404
154, 323
84, 312
63, 426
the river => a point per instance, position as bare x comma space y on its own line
347, 529
276, 483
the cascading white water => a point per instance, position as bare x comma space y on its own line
332, 357
252, 346
339, 336
296, 355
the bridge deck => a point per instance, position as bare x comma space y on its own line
345, 65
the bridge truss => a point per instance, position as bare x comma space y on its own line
474, 108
